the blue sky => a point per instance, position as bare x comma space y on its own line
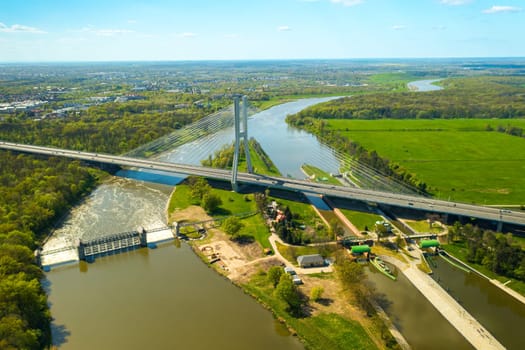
60, 30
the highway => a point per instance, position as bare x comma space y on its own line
394, 199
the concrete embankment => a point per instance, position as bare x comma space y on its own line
339, 214
467, 325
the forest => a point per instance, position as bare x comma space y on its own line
466, 97
34, 193
108, 128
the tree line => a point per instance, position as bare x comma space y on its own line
496, 251
473, 97
356, 151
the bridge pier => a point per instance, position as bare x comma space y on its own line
238, 135
143, 237
81, 251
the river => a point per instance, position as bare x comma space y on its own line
163, 299
286, 146
424, 85
167, 298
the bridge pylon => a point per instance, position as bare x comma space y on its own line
240, 133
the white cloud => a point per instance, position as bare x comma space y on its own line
132, 21
439, 27
232, 36
399, 27
502, 9
455, 2
284, 29
187, 35
106, 32
347, 2
19, 28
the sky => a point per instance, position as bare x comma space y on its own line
138, 30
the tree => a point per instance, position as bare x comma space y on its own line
198, 187
210, 202
232, 225
336, 229
274, 275
381, 230
316, 293
287, 291
349, 272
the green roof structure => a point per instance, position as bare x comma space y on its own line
429, 243
360, 249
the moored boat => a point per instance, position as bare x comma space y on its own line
382, 267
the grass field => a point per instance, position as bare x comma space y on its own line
361, 219
457, 158
423, 226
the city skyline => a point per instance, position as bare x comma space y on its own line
117, 30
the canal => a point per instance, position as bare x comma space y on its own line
500, 314
416, 318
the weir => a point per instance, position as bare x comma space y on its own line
89, 250
125, 241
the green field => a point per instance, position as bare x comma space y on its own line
458, 159
423, 226
361, 219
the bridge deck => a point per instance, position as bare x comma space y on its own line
394, 199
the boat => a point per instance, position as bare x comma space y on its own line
382, 267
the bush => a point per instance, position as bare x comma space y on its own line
316, 293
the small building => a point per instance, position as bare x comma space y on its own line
360, 249
313, 260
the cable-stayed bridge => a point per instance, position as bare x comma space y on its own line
216, 130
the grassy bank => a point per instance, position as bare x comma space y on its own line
319, 175
232, 203
321, 331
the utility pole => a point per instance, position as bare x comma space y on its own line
238, 135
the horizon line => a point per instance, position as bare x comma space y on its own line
264, 59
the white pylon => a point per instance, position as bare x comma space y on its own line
238, 135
